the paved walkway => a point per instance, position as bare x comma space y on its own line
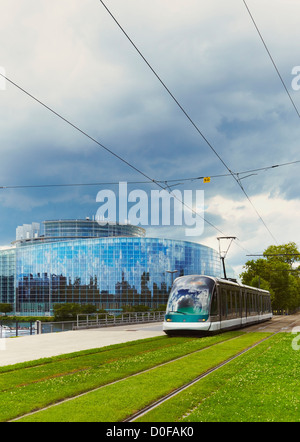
28, 348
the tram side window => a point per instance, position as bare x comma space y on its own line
250, 298
238, 304
232, 304
224, 304
214, 311
229, 307
243, 300
262, 304
234, 298
256, 308
248, 304
252, 304
266, 308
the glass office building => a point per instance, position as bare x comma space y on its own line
88, 228
67, 264
7, 276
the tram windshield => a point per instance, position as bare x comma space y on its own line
190, 295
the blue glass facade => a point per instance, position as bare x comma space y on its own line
107, 272
7, 276
89, 229
64, 266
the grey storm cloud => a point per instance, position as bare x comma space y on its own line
72, 57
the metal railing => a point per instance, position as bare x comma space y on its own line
55, 327
108, 320
98, 320
10, 329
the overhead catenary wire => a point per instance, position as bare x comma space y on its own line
166, 88
189, 118
234, 175
167, 183
77, 128
271, 58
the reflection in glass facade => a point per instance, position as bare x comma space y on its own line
7, 276
109, 272
88, 228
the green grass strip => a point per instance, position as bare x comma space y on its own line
115, 402
82, 353
29, 388
260, 386
267, 390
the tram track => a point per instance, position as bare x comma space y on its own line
194, 381
68, 399
280, 327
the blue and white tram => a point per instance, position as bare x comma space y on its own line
204, 304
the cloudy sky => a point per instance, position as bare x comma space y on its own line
72, 56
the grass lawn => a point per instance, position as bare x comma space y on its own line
31, 386
261, 386
113, 403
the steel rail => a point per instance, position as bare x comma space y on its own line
119, 380
170, 395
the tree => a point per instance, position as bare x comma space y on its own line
135, 308
277, 272
286, 253
5, 308
69, 311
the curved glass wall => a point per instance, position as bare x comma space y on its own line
89, 229
107, 272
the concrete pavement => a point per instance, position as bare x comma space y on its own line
28, 348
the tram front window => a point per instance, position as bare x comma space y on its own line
190, 296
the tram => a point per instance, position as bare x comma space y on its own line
207, 305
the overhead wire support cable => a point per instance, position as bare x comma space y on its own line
188, 117
178, 181
77, 128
